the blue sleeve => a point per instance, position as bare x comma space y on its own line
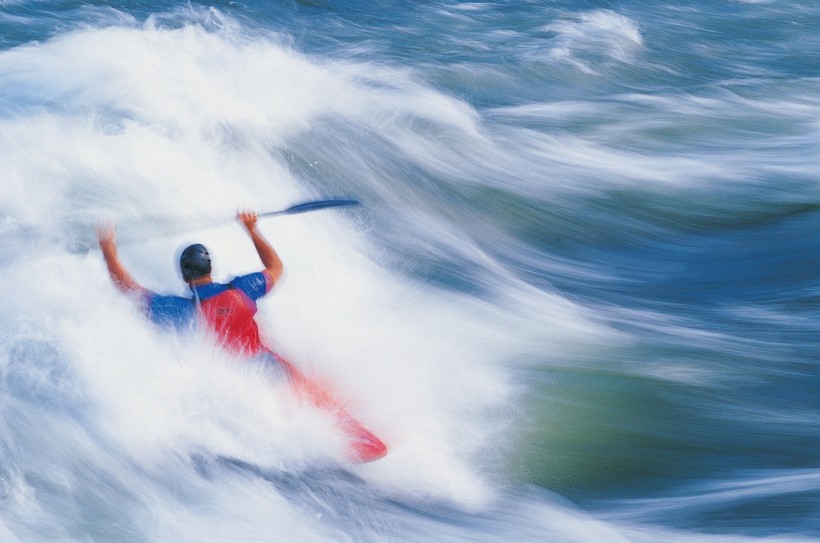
170, 311
255, 285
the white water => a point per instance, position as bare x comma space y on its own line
102, 412
109, 425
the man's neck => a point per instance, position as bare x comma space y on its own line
200, 281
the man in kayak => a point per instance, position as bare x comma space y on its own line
228, 309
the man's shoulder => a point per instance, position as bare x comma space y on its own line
169, 310
254, 285
166, 299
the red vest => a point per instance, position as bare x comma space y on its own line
230, 315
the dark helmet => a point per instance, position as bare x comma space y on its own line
194, 262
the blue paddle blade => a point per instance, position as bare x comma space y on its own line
312, 206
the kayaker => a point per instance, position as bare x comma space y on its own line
228, 308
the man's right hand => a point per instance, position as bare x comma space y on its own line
273, 265
248, 219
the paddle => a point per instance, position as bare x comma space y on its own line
311, 206
163, 225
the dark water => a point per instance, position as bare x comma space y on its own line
579, 300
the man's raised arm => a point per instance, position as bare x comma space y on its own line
107, 237
273, 265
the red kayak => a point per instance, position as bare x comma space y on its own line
364, 445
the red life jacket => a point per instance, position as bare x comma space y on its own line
230, 315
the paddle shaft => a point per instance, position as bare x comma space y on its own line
311, 206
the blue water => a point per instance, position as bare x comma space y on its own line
579, 300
